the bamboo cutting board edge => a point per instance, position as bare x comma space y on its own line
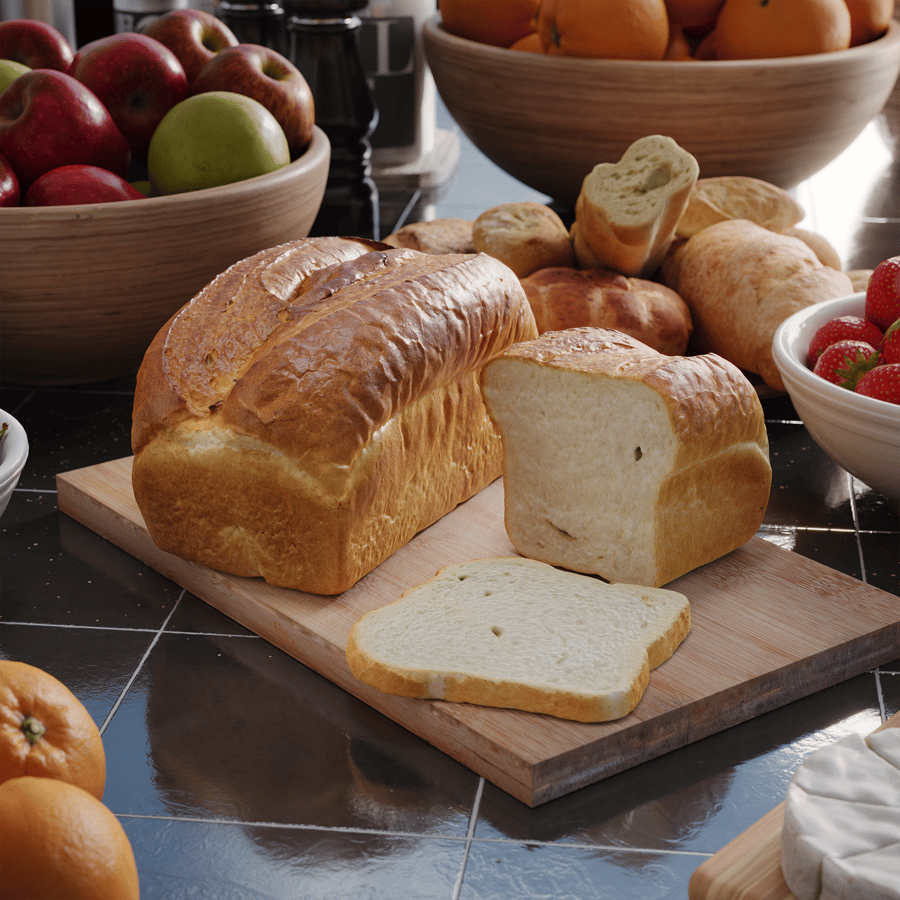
534, 758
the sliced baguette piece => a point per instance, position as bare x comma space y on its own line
627, 212
521, 634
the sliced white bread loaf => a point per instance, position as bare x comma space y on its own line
520, 634
623, 462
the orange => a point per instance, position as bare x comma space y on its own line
499, 22
46, 731
58, 841
763, 29
869, 19
531, 43
679, 46
693, 13
604, 29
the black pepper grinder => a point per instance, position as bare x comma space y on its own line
256, 23
324, 45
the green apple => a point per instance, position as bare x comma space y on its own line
212, 139
10, 70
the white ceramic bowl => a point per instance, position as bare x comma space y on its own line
13, 453
859, 433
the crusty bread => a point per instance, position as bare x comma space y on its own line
448, 235
623, 462
741, 281
820, 245
318, 404
626, 212
738, 197
520, 634
527, 236
563, 298
859, 278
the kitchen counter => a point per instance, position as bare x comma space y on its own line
239, 773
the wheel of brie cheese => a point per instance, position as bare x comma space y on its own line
841, 833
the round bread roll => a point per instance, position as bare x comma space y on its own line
563, 298
449, 235
527, 236
819, 245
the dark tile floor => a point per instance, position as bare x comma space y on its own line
239, 773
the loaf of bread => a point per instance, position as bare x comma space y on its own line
563, 298
318, 404
527, 236
820, 245
738, 197
741, 281
627, 212
520, 634
448, 235
623, 462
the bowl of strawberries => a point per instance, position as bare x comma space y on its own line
840, 361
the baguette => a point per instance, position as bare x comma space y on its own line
519, 634
318, 404
627, 212
563, 298
741, 281
623, 462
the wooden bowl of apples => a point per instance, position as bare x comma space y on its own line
548, 120
84, 287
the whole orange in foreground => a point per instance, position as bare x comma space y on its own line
58, 842
604, 29
499, 22
765, 29
46, 731
869, 19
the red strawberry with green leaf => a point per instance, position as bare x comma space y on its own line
890, 348
883, 293
882, 383
843, 328
845, 362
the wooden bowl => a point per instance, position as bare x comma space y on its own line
84, 289
548, 120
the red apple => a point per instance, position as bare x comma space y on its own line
136, 78
267, 77
49, 119
9, 185
193, 35
35, 44
70, 185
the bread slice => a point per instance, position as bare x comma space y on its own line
521, 634
623, 462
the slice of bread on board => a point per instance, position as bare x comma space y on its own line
520, 634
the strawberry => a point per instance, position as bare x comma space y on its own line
845, 362
890, 348
883, 293
849, 328
882, 383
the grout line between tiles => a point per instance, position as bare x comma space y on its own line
470, 832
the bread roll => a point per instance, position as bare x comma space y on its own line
738, 197
449, 235
626, 213
520, 634
318, 404
623, 462
569, 298
819, 245
526, 236
741, 281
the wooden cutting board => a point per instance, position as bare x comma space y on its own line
769, 627
749, 867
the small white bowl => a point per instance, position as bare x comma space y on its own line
13, 453
861, 434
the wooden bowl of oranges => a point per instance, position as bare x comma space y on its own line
775, 90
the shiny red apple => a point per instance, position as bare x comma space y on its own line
35, 44
71, 185
49, 119
137, 79
267, 77
9, 185
193, 35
